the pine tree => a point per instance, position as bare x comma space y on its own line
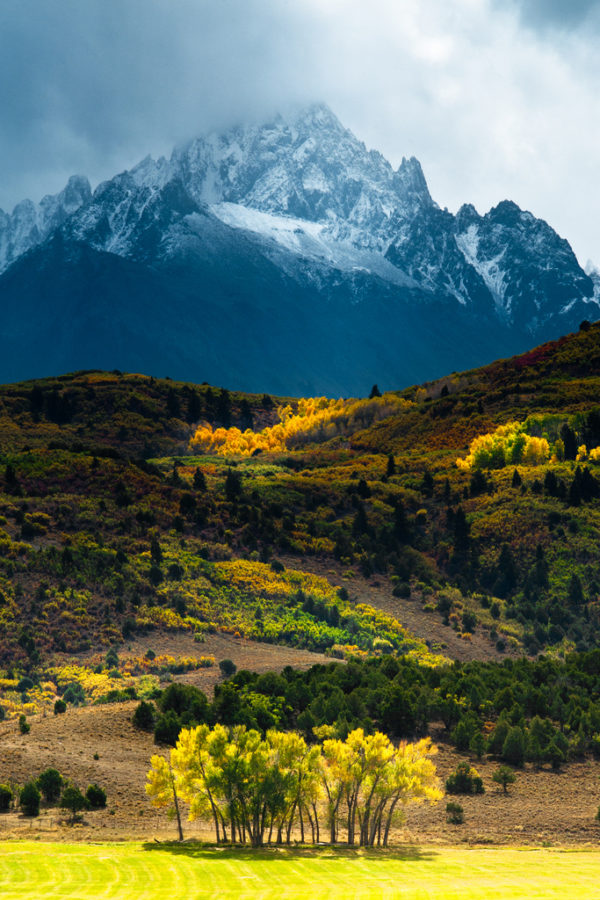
576, 595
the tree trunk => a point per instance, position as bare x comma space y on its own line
316, 822
291, 822
376, 821
175, 801
312, 824
223, 826
389, 821
352, 801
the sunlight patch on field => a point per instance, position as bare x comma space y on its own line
165, 872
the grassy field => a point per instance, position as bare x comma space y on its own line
153, 871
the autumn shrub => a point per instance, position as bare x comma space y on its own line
454, 813
96, 797
464, 780
227, 667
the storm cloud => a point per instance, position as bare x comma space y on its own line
561, 14
491, 102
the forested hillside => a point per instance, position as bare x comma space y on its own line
132, 505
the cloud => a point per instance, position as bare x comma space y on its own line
493, 103
558, 14
104, 81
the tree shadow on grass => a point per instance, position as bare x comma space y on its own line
198, 850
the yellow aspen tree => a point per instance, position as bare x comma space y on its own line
162, 788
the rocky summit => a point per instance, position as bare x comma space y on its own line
282, 257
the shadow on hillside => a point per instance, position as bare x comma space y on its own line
197, 850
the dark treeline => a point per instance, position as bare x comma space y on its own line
544, 711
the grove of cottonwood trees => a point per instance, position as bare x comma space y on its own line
261, 789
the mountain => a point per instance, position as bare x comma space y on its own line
284, 257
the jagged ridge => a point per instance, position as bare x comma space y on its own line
298, 209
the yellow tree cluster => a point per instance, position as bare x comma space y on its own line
313, 420
508, 445
258, 789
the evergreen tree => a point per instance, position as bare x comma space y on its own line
569, 440
155, 551
246, 420
461, 531
427, 484
199, 480
194, 407
504, 776
506, 572
576, 595
401, 529
29, 799
233, 485
224, 408
513, 749
73, 800
173, 405
50, 783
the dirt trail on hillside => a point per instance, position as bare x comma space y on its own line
256, 656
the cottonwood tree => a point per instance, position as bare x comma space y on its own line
162, 789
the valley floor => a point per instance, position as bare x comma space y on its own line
542, 808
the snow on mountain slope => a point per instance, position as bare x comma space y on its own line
309, 241
308, 167
31, 223
490, 269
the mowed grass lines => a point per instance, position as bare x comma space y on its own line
157, 871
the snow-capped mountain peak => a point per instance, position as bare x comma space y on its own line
297, 214
30, 223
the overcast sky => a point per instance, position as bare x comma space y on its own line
497, 98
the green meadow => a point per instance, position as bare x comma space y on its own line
156, 871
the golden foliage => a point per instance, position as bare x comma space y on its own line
314, 420
508, 445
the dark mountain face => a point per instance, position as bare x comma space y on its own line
285, 258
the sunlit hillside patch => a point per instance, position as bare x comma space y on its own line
94, 681
311, 420
537, 440
257, 601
